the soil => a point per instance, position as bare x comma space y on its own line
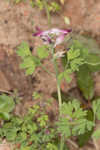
17, 24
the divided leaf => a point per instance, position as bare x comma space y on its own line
73, 120
81, 140
30, 62
85, 82
42, 52
72, 54
23, 50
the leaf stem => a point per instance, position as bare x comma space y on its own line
47, 11
45, 69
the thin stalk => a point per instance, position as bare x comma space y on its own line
58, 83
62, 143
58, 92
45, 69
47, 11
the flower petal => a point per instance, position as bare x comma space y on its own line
59, 40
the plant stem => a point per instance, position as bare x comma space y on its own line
62, 143
45, 69
58, 83
47, 11
58, 92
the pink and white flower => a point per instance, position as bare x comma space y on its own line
48, 35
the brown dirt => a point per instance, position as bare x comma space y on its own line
16, 25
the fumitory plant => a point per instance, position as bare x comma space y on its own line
73, 119
35, 130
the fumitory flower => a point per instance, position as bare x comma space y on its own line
53, 36
59, 54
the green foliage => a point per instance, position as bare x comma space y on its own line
83, 60
84, 138
18, 1
51, 6
30, 62
48, 6
23, 50
73, 54
96, 108
85, 72
36, 95
34, 128
42, 52
42, 120
96, 111
75, 58
85, 82
51, 147
73, 120
93, 59
96, 134
84, 42
6, 106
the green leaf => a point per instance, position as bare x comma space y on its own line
42, 52
25, 148
23, 50
67, 74
64, 128
4, 115
51, 146
84, 138
11, 134
27, 62
72, 120
36, 60
72, 54
85, 82
17, 1
30, 70
96, 134
67, 77
6, 103
74, 64
36, 95
61, 76
94, 68
6, 106
93, 59
96, 108
88, 43
93, 62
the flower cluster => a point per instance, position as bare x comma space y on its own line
48, 36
